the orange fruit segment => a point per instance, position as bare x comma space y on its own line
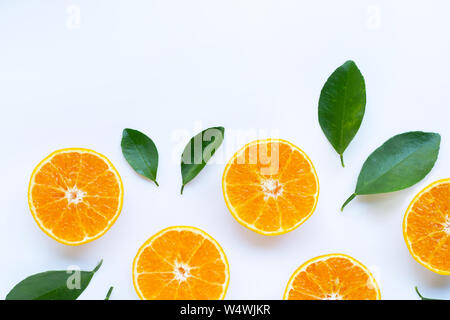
75, 195
181, 263
332, 277
270, 186
426, 227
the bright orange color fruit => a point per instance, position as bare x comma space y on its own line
75, 195
332, 277
181, 263
270, 186
426, 227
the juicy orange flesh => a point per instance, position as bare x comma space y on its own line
335, 278
428, 227
271, 186
75, 195
181, 265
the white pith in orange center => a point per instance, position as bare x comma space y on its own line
333, 296
271, 188
74, 195
447, 225
181, 271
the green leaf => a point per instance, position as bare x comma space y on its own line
399, 163
422, 297
198, 151
141, 153
109, 293
342, 105
53, 285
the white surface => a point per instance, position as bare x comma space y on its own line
169, 68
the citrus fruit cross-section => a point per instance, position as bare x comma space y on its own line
75, 195
181, 263
426, 227
332, 277
270, 186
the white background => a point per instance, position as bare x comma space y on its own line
170, 68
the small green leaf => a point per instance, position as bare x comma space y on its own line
342, 105
109, 293
53, 285
422, 297
141, 153
198, 151
399, 163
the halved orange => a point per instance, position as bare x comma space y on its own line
75, 195
426, 227
270, 186
332, 277
181, 263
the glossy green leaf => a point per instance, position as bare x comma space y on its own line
109, 293
198, 151
141, 153
53, 285
399, 163
422, 297
342, 105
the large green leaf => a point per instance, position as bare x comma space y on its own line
51, 285
141, 153
198, 151
399, 163
342, 105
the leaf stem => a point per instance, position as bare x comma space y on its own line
109, 293
348, 200
182, 188
422, 297
342, 160
97, 267
157, 184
